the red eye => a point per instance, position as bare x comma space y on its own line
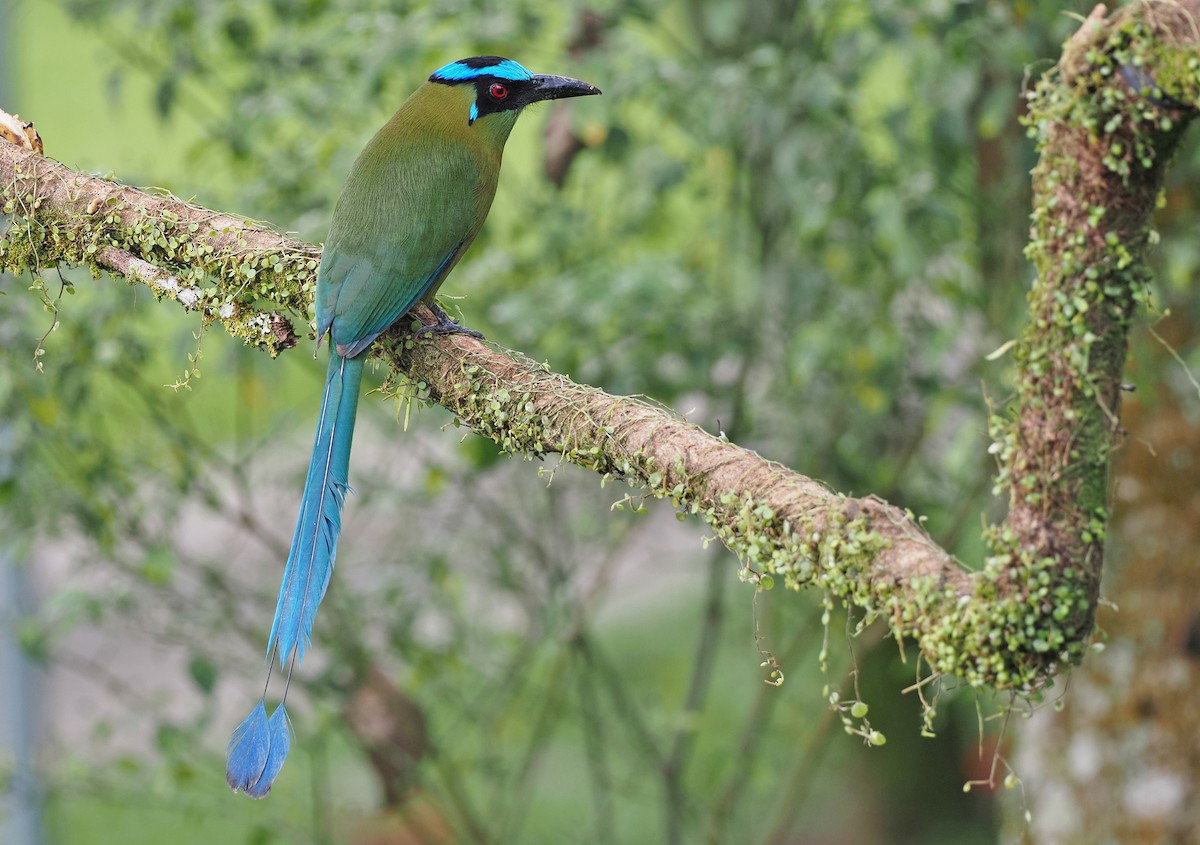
498, 91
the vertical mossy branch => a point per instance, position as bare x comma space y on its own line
1106, 120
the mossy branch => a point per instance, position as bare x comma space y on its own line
230, 269
1106, 121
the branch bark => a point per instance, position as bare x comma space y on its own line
1108, 118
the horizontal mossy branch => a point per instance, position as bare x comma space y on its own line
230, 269
1027, 611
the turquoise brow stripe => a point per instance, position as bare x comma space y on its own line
507, 69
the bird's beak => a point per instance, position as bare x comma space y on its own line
557, 87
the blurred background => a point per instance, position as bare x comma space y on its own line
800, 223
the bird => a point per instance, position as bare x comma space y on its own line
413, 202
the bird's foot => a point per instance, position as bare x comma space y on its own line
446, 324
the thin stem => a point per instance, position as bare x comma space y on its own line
595, 742
703, 661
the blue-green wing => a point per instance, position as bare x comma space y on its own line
362, 300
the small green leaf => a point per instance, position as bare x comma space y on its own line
203, 672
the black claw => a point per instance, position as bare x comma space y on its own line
448, 327
446, 324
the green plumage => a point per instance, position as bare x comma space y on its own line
413, 203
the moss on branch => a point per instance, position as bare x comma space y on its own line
227, 268
1106, 122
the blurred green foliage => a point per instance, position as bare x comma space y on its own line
798, 222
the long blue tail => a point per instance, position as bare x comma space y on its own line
259, 745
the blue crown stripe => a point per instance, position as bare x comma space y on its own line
459, 72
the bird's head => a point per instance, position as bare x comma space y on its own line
501, 85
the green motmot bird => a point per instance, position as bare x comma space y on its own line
414, 201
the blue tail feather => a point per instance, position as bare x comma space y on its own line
314, 545
280, 729
257, 750
249, 748
259, 746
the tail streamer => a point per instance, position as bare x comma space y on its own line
259, 746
